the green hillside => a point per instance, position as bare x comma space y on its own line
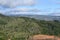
21, 28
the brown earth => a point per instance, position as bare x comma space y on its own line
44, 37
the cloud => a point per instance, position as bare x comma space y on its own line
17, 11
14, 3
21, 11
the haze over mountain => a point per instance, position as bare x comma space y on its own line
28, 12
39, 17
54, 14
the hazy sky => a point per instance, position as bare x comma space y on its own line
43, 7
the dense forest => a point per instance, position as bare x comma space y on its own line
21, 28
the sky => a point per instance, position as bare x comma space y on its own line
40, 7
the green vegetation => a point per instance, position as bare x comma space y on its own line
21, 28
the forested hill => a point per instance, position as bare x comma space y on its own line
22, 28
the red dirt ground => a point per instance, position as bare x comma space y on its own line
44, 37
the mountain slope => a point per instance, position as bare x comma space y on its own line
22, 28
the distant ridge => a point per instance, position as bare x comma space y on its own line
39, 17
54, 14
